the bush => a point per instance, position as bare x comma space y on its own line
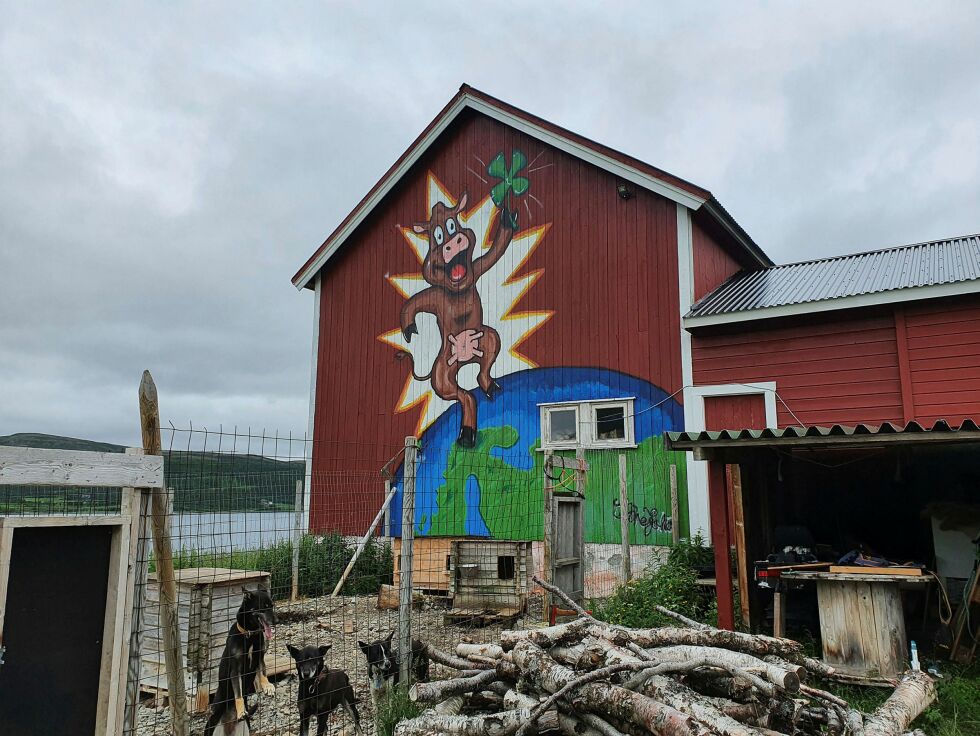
692, 553
321, 563
672, 585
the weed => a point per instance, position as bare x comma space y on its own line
394, 706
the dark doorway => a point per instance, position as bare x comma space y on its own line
53, 628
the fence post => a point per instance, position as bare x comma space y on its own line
405, 563
297, 537
675, 509
169, 623
624, 521
549, 526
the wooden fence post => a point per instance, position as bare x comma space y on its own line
549, 527
624, 521
297, 538
405, 563
150, 424
675, 509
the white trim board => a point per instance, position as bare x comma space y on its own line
697, 470
46, 467
311, 421
894, 296
617, 168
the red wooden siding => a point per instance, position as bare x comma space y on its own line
944, 360
735, 412
834, 370
858, 366
610, 263
712, 262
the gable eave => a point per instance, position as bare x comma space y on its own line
620, 165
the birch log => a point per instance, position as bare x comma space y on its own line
434, 692
914, 694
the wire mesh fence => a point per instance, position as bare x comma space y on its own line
323, 530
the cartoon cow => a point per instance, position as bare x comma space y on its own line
452, 273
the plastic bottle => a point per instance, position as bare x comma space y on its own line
915, 657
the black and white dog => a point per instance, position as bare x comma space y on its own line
241, 671
321, 689
382, 663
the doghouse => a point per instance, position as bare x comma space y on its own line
489, 574
207, 601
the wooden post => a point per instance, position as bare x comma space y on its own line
364, 540
405, 564
150, 423
718, 506
624, 521
546, 571
778, 613
386, 526
675, 508
297, 538
741, 555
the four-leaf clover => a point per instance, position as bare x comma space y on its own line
509, 180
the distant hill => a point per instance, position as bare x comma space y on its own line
54, 442
201, 481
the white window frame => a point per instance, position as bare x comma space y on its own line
587, 430
546, 426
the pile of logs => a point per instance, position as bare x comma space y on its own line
590, 678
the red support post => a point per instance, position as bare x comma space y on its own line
721, 541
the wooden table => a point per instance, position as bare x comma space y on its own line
862, 625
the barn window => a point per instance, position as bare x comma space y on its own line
505, 567
590, 423
561, 426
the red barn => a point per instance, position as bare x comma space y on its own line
507, 287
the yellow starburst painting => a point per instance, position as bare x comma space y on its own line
448, 368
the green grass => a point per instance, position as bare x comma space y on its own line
321, 562
956, 711
394, 706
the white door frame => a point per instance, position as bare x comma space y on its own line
697, 470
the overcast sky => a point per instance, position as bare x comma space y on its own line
166, 167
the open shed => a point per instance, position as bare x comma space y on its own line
904, 491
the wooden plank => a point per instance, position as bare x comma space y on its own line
840, 576
718, 508
675, 507
42, 467
890, 620
778, 614
864, 570
113, 636
6, 546
741, 555
548, 497
428, 562
62, 521
624, 524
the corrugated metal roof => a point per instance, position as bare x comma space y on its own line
938, 262
913, 431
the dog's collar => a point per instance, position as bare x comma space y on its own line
244, 631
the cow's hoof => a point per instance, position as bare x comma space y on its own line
492, 390
467, 437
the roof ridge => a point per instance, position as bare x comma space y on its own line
872, 252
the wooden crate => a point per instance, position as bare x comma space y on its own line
487, 574
207, 600
430, 563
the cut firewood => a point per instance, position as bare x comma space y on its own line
915, 692
434, 692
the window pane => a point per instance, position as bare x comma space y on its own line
610, 423
563, 427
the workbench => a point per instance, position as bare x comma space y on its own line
862, 625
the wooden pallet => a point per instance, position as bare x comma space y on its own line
481, 617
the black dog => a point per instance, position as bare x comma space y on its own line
321, 690
242, 667
382, 663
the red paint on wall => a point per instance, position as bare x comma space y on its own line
608, 271
832, 369
713, 263
944, 359
735, 412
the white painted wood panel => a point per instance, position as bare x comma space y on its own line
41, 467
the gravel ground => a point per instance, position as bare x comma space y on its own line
340, 622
